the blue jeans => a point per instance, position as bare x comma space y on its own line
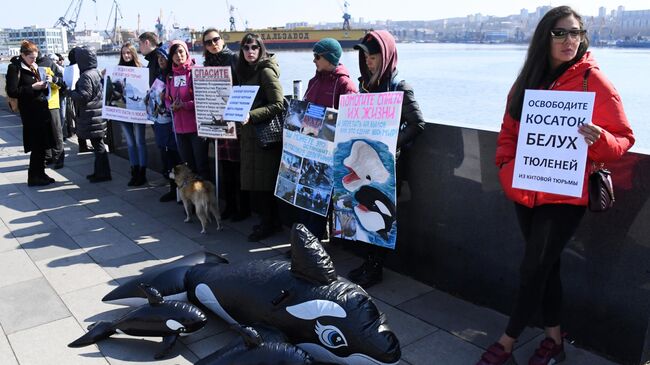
136, 143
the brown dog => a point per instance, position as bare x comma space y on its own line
195, 191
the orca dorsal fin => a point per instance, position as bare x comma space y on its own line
308, 258
153, 295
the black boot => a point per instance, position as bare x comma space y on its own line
102, 169
141, 176
354, 274
58, 163
371, 274
83, 145
134, 175
171, 195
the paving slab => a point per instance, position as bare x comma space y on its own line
87, 307
7, 240
73, 272
168, 244
441, 348
16, 267
407, 328
478, 325
106, 244
231, 245
123, 269
7, 356
396, 288
48, 245
28, 304
47, 344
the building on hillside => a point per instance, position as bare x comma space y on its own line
48, 40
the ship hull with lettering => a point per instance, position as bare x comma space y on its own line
283, 38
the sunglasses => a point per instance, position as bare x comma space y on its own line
214, 40
317, 56
252, 47
562, 34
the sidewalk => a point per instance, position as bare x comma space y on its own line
64, 246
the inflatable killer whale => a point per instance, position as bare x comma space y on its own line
332, 319
257, 346
167, 319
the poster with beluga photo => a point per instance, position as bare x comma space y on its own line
125, 90
364, 196
306, 164
551, 154
212, 87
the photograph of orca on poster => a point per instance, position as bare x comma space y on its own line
364, 196
212, 87
551, 154
125, 89
305, 174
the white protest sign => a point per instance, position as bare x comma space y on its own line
240, 102
364, 196
211, 87
125, 89
551, 154
71, 75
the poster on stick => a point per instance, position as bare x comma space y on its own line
240, 102
551, 154
212, 87
125, 90
364, 196
305, 174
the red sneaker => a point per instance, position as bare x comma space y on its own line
548, 353
496, 355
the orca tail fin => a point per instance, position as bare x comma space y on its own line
96, 332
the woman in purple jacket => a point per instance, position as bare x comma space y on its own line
180, 100
332, 80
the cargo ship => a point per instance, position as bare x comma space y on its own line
283, 38
296, 37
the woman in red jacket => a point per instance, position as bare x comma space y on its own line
557, 60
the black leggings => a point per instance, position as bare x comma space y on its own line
546, 229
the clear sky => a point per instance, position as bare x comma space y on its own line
264, 13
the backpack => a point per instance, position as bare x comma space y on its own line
13, 102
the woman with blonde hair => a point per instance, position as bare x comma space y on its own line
134, 133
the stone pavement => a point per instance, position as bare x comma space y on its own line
64, 246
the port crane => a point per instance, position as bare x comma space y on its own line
115, 35
70, 18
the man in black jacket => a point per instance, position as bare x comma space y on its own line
56, 154
148, 43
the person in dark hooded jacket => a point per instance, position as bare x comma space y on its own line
87, 97
24, 83
378, 66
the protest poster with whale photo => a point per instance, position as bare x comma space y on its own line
364, 196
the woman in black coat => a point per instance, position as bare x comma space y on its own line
217, 53
24, 83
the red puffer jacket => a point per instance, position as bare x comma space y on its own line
608, 114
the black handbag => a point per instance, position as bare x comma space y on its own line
269, 134
601, 190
